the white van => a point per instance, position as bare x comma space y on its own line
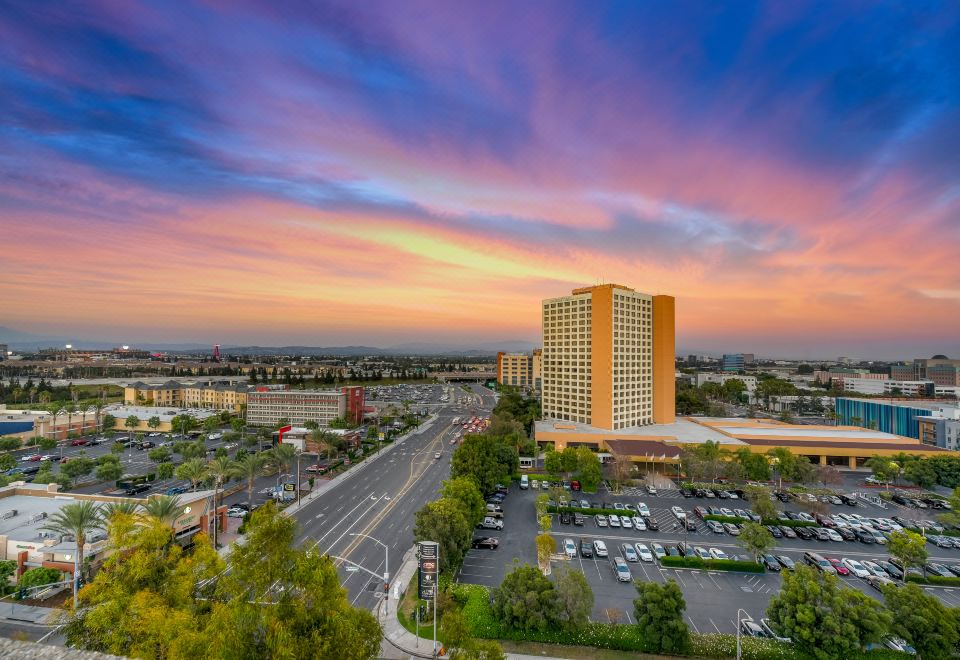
524, 482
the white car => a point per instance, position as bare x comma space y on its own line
643, 509
644, 552
678, 512
701, 552
625, 522
652, 489
236, 512
874, 568
570, 548
628, 552
833, 535
717, 553
658, 550
803, 515
614, 520
601, 520
856, 568
639, 524
535, 484
622, 570
600, 548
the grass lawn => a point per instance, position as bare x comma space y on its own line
576, 652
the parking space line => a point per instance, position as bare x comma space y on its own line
713, 624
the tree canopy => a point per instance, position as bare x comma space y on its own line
658, 610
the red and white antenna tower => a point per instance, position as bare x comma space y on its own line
216, 352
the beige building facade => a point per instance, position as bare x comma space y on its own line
608, 357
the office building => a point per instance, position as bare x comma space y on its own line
941, 428
298, 407
608, 357
518, 369
733, 362
706, 377
211, 395
901, 371
3, 352
889, 387
933, 423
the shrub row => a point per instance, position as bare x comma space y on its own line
712, 564
935, 580
475, 600
766, 521
929, 532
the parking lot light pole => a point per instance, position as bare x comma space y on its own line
386, 561
739, 619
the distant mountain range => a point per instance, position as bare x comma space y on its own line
24, 341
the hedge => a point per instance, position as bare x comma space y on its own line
930, 532
768, 521
935, 580
711, 564
592, 512
478, 613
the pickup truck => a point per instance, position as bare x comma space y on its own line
491, 523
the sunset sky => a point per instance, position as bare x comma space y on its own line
379, 173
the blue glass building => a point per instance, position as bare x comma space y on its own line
881, 415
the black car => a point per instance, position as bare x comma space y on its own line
900, 499
866, 537
652, 523
485, 543
564, 518
788, 532
699, 492
847, 534
685, 492
586, 549
578, 519
775, 531
146, 444
691, 523
782, 496
769, 562
683, 549
804, 533
891, 570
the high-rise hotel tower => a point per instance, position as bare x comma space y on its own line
608, 357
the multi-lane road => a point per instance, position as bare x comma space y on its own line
380, 500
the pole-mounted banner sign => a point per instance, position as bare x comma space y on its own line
428, 557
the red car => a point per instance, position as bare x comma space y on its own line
841, 569
79, 442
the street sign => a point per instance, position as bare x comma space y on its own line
289, 487
382, 436
428, 556
352, 569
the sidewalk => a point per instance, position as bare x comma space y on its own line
398, 642
12, 611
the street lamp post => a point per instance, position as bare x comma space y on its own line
386, 560
739, 619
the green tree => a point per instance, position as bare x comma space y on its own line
553, 462
282, 457
465, 491
154, 422
589, 470
109, 422
159, 454
77, 467
7, 462
250, 468
211, 424
132, 422
525, 600
755, 466
77, 519
760, 502
923, 620
164, 509
755, 539
884, 470
183, 423
575, 598
922, 473
489, 460
166, 470
910, 548
546, 546
823, 619
37, 577
7, 568
445, 522
658, 610
46, 443
193, 471
109, 472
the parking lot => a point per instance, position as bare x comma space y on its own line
712, 597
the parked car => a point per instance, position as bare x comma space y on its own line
788, 532
856, 568
79, 442
485, 543
765, 624
891, 570
786, 562
600, 548
578, 519
658, 550
629, 553
491, 523
651, 523
586, 549
731, 529
775, 531
701, 552
622, 570
601, 520
564, 518
570, 548
717, 553
715, 526
644, 552
614, 520
879, 583
752, 629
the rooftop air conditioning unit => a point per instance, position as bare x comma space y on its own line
6, 515
38, 516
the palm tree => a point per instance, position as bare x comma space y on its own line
71, 410
222, 469
283, 456
78, 520
55, 411
250, 467
111, 510
98, 413
85, 409
193, 470
164, 509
